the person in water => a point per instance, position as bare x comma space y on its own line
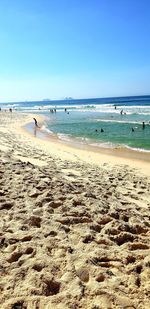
143, 125
102, 130
132, 130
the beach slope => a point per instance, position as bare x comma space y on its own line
75, 232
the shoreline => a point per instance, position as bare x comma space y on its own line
126, 151
89, 153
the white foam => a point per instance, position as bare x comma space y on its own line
137, 149
106, 145
45, 129
64, 137
118, 121
114, 146
90, 108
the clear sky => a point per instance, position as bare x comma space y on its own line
78, 48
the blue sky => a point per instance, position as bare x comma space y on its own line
79, 48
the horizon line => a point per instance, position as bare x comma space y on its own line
74, 99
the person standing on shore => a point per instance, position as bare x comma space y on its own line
36, 124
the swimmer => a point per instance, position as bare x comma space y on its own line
132, 130
102, 130
143, 125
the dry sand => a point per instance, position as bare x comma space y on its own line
75, 225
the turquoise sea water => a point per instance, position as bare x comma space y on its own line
84, 120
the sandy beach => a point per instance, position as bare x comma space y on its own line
75, 223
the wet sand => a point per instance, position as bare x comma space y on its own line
75, 224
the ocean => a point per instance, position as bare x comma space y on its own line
104, 122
